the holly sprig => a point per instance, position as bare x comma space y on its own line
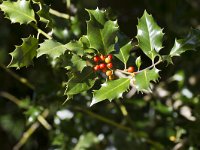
90, 58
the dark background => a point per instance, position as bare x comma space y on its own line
155, 116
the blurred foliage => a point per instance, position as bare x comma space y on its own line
168, 118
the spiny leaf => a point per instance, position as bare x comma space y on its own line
167, 58
149, 36
76, 47
124, 52
84, 40
80, 47
100, 32
98, 15
44, 15
23, 54
189, 43
51, 48
78, 62
111, 90
94, 25
143, 79
18, 12
81, 82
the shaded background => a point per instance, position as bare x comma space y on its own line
169, 117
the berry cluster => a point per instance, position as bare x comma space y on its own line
104, 64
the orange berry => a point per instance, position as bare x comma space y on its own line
131, 69
109, 73
107, 60
111, 77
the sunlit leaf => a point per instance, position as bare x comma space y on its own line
124, 52
189, 43
19, 11
149, 36
111, 90
144, 78
76, 47
100, 32
51, 48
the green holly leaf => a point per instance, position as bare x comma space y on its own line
43, 14
124, 52
98, 15
51, 48
82, 81
86, 141
23, 54
84, 40
167, 58
80, 47
19, 11
189, 43
78, 62
138, 62
100, 32
149, 36
76, 47
111, 90
143, 79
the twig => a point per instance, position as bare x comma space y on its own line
128, 73
41, 31
124, 112
26, 136
41, 119
29, 132
122, 108
153, 65
115, 124
131, 92
15, 100
10, 97
16, 76
59, 14
68, 3
104, 119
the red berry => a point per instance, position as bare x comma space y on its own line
104, 70
102, 66
96, 58
96, 68
109, 73
102, 57
131, 69
110, 56
107, 60
109, 65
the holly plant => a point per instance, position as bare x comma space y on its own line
96, 58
